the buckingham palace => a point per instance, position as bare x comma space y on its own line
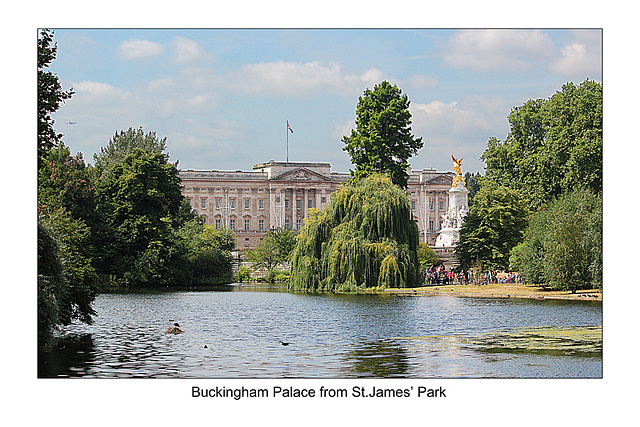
280, 194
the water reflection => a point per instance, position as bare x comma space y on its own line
70, 356
382, 358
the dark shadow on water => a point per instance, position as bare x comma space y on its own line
379, 359
69, 356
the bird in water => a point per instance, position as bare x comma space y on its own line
284, 343
175, 329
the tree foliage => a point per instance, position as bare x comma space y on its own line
472, 183
382, 141
138, 201
554, 145
274, 249
64, 181
494, 225
426, 256
66, 277
50, 93
364, 238
204, 254
122, 144
52, 285
73, 238
563, 243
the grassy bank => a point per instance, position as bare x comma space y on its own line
501, 290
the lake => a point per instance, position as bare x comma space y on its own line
238, 331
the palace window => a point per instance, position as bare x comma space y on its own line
298, 204
298, 224
233, 203
218, 225
430, 225
217, 203
247, 203
310, 203
261, 203
203, 203
441, 205
233, 224
286, 203
287, 224
246, 224
413, 205
430, 204
261, 224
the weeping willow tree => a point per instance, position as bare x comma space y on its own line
365, 238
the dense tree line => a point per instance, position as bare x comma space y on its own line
562, 245
494, 225
122, 222
554, 145
539, 206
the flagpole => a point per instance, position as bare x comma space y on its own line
287, 131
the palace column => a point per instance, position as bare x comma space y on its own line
318, 199
294, 210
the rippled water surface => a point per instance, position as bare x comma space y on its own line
237, 333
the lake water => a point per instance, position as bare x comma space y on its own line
236, 332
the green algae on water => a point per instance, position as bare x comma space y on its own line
585, 341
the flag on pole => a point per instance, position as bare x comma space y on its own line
289, 127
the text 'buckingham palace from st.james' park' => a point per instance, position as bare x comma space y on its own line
280, 194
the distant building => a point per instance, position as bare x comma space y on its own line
280, 194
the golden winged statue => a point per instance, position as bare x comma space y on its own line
456, 167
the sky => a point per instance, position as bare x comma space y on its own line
222, 97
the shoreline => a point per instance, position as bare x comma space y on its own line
499, 290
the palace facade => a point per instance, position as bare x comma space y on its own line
280, 194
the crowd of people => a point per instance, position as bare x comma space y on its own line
439, 275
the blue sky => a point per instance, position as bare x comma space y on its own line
222, 97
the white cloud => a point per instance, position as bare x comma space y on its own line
420, 81
135, 49
98, 90
286, 78
440, 117
493, 50
372, 76
188, 51
298, 79
342, 129
161, 84
582, 57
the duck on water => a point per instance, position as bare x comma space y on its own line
175, 329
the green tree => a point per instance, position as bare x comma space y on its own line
493, 226
274, 249
472, 183
426, 256
382, 141
122, 144
554, 145
364, 238
50, 94
563, 243
73, 238
66, 278
64, 181
204, 254
139, 201
52, 285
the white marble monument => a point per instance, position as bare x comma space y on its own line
458, 208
